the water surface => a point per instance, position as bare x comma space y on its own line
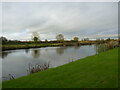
16, 62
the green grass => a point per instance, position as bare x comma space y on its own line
38, 45
27, 46
97, 71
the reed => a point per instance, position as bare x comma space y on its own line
38, 68
11, 77
107, 46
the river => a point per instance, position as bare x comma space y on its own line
16, 62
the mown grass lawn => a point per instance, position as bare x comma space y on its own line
98, 71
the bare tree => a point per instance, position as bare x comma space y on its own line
35, 36
46, 41
3, 39
60, 37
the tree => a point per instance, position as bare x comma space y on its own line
46, 41
108, 39
86, 39
60, 37
75, 38
35, 36
3, 39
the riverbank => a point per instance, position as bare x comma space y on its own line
97, 71
39, 45
28, 45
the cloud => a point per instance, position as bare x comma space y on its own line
49, 19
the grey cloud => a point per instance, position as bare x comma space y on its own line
71, 19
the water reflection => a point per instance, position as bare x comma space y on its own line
76, 47
36, 53
4, 54
26, 51
60, 51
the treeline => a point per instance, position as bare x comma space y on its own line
56, 41
59, 39
36, 39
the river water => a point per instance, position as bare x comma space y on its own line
16, 62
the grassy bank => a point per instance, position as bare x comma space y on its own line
27, 45
98, 71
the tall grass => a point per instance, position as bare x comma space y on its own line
107, 46
10, 77
37, 68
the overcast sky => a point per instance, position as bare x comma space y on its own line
88, 19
